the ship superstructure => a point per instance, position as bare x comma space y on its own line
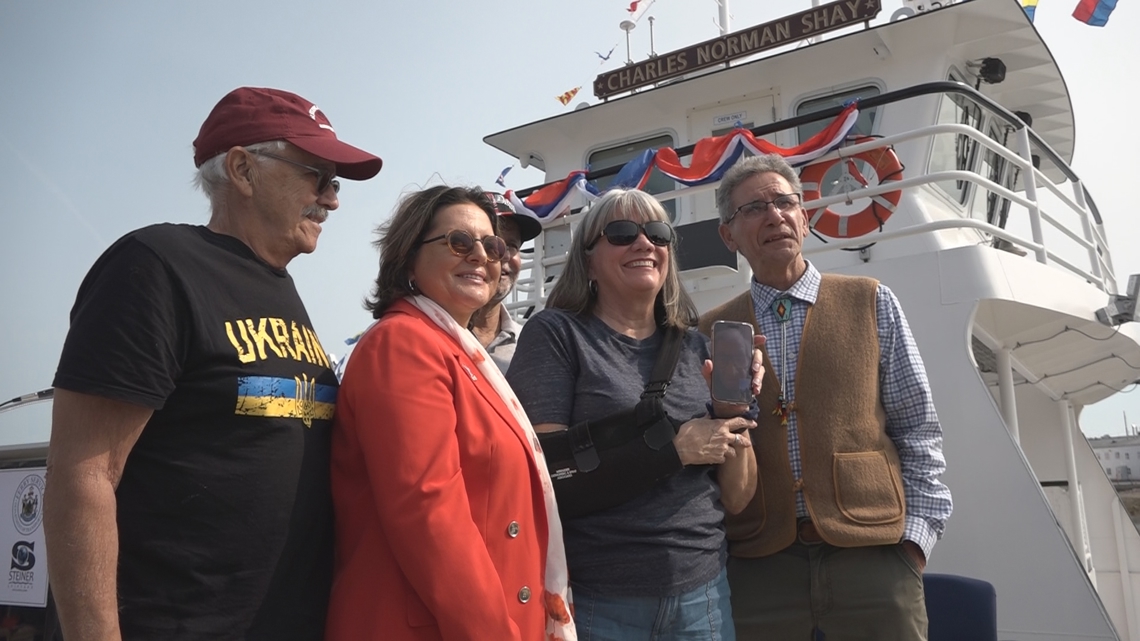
990, 240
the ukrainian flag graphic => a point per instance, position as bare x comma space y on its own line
298, 397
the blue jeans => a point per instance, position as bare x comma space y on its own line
701, 614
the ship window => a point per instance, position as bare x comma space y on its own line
955, 151
1000, 171
864, 125
618, 156
1118, 455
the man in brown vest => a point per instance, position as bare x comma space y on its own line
849, 448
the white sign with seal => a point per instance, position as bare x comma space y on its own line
22, 536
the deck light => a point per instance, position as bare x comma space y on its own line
991, 71
1121, 309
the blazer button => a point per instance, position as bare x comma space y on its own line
513, 529
524, 594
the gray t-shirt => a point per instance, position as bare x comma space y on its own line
570, 368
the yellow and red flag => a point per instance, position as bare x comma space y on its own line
568, 96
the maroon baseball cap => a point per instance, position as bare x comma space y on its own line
529, 227
249, 115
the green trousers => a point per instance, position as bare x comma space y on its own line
848, 594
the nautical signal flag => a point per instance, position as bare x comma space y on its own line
637, 8
1030, 7
501, 180
568, 96
1094, 12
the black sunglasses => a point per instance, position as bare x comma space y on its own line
462, 243
324, 176
624, 232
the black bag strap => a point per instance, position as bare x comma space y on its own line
661, 432
666, 363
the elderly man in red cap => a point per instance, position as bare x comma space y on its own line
187, 493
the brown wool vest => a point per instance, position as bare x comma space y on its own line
851, 472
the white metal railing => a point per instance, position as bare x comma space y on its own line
1031, 177
532, 289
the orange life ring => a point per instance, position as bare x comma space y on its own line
829, 223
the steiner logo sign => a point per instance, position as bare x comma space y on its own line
23, 536
821, 19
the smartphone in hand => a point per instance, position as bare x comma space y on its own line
732, 362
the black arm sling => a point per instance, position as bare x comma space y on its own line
600, 464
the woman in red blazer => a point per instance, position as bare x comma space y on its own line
446, 526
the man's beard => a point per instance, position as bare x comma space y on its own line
506, 284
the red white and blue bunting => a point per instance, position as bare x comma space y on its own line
711, 158
555, 199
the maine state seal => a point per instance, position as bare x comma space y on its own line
28, 504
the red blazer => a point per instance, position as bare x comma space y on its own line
440, 522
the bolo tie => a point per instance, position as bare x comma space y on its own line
782, 308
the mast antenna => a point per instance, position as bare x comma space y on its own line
652, 50
627, 26
725, 20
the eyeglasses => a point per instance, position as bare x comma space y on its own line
462, 243
756, 207
324, 176
625, 232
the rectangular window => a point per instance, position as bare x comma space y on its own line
864, 125
620, 155
996, 168
955, 151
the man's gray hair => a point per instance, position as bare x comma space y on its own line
747, 168
211, 177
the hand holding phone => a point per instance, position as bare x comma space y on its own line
732, 362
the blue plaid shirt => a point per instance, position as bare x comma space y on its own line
912, 423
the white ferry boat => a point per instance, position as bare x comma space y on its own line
982, 229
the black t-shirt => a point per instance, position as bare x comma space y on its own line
225, 524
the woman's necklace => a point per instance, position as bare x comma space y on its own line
782, 307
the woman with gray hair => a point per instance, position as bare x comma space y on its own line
651, 563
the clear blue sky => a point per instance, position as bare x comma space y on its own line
100, 103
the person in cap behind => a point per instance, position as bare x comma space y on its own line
493, 325
188, 470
